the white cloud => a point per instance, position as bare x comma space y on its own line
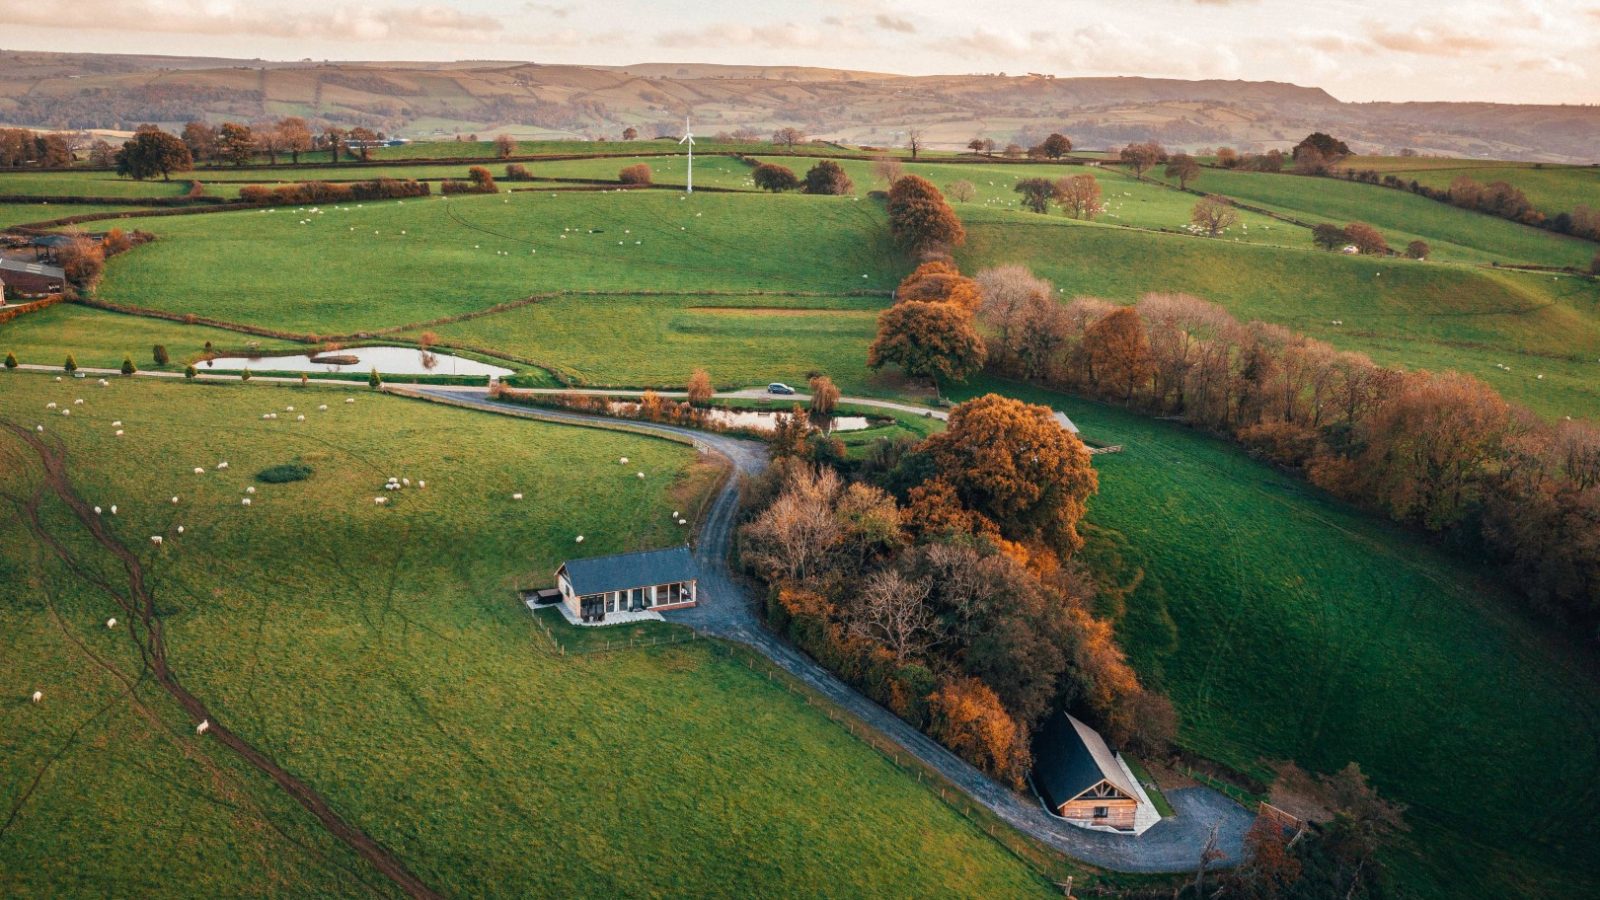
346, 23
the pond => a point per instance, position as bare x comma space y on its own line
387, 360
766, 420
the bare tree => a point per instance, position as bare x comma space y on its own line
1209, 854
793, 538
888, 169
788, 136
1005, 289
915, 142
1213, 215
894, 611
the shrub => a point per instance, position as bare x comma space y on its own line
11, 360
828, 177
189, 371
518, 172
245, 375
1328, 237
774, 178
128, 368
961, 191
1366, 239
635, 174
699, 388
327, 192
1418, 250
482, 181
159, 354
374, 380
71, 364
284, 473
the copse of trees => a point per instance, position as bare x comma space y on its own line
774, 178
1326, 146
920, 221
153, 152
21, 147
1441, 452
479, 181
1363, 237
328, 191
828, 177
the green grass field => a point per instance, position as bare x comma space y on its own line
1454, 234
353, 269
387, 664
100, 339
642, 341
1552, 188
1286, 625
25, 213
88, 184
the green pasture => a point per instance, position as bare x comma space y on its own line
1289, 626
90, 184
378, 653
352, 269
1454, 234
25, 213
1552, 188
709, 171
657, 341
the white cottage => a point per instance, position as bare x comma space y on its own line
627, 582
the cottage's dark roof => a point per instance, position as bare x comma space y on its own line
30, 268
600, 574
1069, 758
52, 240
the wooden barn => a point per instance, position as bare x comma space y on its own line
627, 582
1080, 779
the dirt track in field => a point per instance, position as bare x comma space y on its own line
145, 628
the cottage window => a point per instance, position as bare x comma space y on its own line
1102, 812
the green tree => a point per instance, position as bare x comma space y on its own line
1036, 193
159, 353
828, 177
152, 153
1184, 168
190, 371
1328, 237
71, 364
374, 380
245, 375
1330, 147
11, 360
919, 218
128, 368
774, 178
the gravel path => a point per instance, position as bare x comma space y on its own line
727, 609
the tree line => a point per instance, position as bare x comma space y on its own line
1439, 451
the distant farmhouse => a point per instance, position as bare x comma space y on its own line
27, 281
653, 580
1081, 780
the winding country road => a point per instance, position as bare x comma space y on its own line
728, 610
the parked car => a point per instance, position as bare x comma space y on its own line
778, 387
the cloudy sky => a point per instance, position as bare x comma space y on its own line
1545, 51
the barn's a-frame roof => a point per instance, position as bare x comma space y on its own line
1070, 758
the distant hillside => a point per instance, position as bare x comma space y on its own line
422, 99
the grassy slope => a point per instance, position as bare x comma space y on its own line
257, 262
1454, 234
1416, 314
658, 341
387, 663
24, 213
88, 184
1552, 188
1287, 625
100, 339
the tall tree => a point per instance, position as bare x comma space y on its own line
915, 142
363, 139
334, 139
1012, 463
1213, 215
774, 178
630, 133
1142, 157
927, 340
504, 145
152, 153
294, 137
1184, 168
1078, 196
1119, 353
1056, 146
919, 218
828, 177
788, 136
235, 143
201, 139
1036, 193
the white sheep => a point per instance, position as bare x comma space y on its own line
180, 529
78, 402
250, 490
580, 538
39, 428
288, 409
349, 399
119, 432
174, 499
406, 482
640, 474
104, 383
113, 509
623, 460
97, 510
155, 539
203, 727
300, 418
37, 696
50, 406
245, 501
222, 465
422, 484
323, 407
380, 500
199, 471
111, 622
66, 412
516, 496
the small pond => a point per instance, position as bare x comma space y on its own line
766, 420
387, 360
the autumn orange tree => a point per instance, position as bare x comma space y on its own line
968, 718
1014, 464
699, 388
1078, 196
927, 340
1118, 352
939, 281
824, 395
919, 218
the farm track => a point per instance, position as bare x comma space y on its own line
730, 613
145, 628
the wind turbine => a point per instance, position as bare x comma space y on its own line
688, 138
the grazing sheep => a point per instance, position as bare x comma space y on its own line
180, 529
380, 500
78, 402
580, 538
222, 465
155, 539
516, 496
323, 407
406, 482
640, 474
97, 510
66, 412
39, 428
288, 409
49, 406
250, 490
174, 499
300, 418
245, 501
623, 460
111, 622
422, 484
349, 399
104, 383
119, 432
37, 696
113, 509
203, 727
199, 471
